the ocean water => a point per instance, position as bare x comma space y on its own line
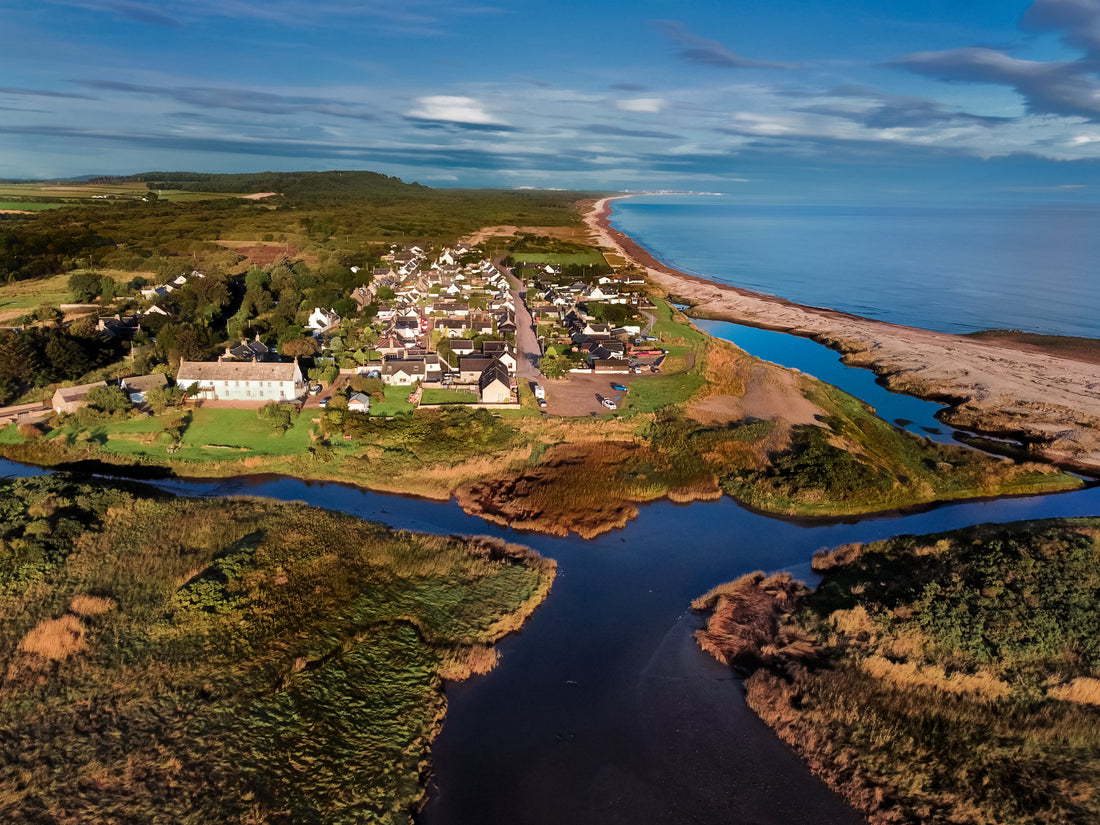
954, 269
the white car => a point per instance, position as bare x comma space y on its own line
607, 402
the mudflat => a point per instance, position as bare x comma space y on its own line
1049, 399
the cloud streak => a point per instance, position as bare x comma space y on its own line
241, 100
706, 52
1070, 88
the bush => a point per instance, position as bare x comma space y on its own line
280, 417
367, 383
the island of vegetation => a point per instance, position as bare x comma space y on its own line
950, 678
481, 345
232, 661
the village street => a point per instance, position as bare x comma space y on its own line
528, 351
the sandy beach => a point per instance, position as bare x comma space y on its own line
1049, 401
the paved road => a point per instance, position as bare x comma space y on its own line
528, 351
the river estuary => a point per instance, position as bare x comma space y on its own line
603, 710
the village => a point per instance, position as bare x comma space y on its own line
453, 327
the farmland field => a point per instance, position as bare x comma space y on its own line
31, 294
29, 206
34, 196
590, 258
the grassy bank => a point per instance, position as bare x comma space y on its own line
952, 678
240, 661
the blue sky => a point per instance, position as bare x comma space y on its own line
769, 98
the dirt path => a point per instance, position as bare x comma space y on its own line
1051, 402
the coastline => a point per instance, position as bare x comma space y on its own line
1048, 401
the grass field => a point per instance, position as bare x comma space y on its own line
31, 294
397, 401
233, 661
560, 258
434, 396
32, 196
212, 435
29, 206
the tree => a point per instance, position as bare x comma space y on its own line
300, 347
84, 286
280, 417
160, 400
555, 366
16, 358
108, 400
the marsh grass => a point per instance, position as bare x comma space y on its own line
939, 679
235, 661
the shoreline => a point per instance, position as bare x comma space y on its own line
1048, 401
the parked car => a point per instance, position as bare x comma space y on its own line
315, 389
618, 387
611, 405
324, 402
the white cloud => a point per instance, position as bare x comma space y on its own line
455, 109
648, 105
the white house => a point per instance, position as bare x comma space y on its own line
494, 384
322, 320
242, 380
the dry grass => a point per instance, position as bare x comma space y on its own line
1084, 690
86, 606
460, 664
912, 674
745, 623
55, 639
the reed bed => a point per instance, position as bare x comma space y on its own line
952, 678
237, 661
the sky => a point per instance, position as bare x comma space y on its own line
779, 99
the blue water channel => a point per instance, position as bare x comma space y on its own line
909, 413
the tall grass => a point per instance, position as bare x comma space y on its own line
938, 679
238, 661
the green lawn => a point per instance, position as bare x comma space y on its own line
396, 402
448, 397
212, 435
654, 392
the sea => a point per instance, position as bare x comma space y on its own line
958, 269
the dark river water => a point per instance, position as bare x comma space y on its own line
603, 710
